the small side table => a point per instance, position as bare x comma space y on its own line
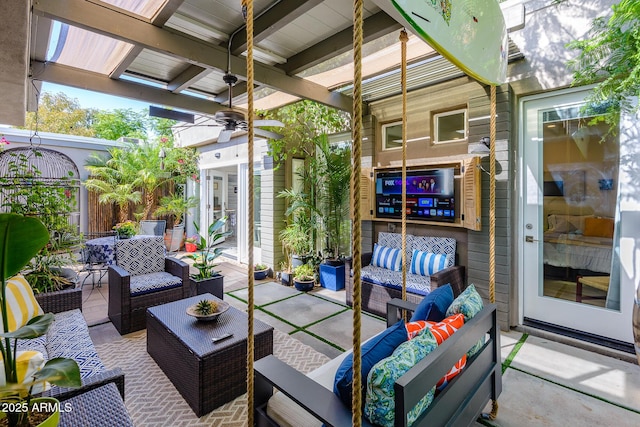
102, 406
598, 282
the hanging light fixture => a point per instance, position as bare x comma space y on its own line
162, 156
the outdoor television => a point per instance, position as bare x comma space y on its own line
430, 194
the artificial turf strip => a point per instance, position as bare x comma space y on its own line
507, 362
578, 391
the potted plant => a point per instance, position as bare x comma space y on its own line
304, 277
208, 280
126, 229
191, 243
260, 271
176, 205
22, 238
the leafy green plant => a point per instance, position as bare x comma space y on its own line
304, 273
176, 205
260, 267
204, 258
126, 229
21, 238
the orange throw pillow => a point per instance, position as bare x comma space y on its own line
441, 331
598, 227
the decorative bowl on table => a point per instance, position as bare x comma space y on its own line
196, 310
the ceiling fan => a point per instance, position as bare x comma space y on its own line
233, 120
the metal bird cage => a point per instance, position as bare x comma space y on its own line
44, 183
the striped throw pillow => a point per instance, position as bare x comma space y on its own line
426, 264
21, 303
28, 363
385, 257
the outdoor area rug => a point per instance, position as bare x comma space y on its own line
152, 400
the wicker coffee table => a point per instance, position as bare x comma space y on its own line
206, 374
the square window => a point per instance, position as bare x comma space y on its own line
450, 126
392, 136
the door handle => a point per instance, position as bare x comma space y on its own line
530, 239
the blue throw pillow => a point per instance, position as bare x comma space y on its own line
426, 263
372, 352
434, 306
386, 257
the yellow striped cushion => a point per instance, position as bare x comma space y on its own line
27, 364
21, 304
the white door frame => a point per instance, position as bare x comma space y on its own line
207, 201
582, 317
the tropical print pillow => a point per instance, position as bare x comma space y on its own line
379, 405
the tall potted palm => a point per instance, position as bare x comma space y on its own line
176, 205
208, 279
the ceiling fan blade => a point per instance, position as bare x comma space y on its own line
274, 123
225, 135
266, 134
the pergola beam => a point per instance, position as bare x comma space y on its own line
271, 21
96, 18
375, 26
96, 82
186, 78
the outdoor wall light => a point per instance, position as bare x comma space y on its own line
162, 156
481, 148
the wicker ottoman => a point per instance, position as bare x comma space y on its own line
207, 375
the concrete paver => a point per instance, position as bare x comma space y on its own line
547, 384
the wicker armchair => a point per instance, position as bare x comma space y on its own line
142, 278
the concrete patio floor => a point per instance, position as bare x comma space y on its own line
545, 382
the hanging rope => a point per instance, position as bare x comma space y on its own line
492, 218
403, 79
492, 198
356, 396
248, 4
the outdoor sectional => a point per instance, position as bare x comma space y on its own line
69, 337
381, 285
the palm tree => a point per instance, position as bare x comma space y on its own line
149, 173
113, 180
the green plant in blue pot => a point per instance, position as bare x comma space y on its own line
20, 240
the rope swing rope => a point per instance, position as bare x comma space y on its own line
248, 4
492, 217
356, 399
403, 79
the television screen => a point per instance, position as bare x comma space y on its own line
430, 194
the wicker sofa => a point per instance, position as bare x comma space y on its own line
69, 337
308, 399
380, 285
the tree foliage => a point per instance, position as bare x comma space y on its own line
610, 57
119, 123
60, 114
304, 122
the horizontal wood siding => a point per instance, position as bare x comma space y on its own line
478, 241
271, 213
